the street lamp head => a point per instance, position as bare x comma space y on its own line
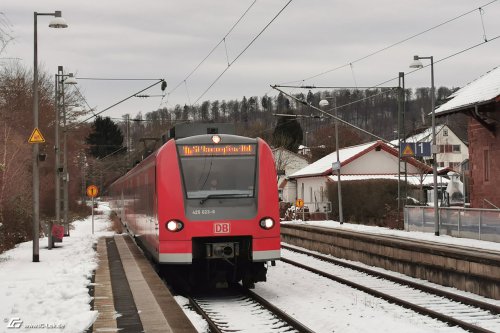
416, 63
58, 21
323, 102
71, 79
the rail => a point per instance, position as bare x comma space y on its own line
473, 223
399, 292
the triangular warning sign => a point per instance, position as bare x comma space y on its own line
408, 151
36, 136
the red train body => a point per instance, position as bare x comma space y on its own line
206, 205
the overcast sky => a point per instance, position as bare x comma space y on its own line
167, 39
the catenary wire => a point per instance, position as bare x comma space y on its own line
243, 51
392, 45
214, 48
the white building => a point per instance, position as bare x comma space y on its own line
452, 151
367, 161
287, 163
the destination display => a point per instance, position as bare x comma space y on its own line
216, 150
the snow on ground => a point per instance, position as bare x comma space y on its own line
327, 306
430, 237
52, 294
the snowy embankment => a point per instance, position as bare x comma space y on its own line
51, 295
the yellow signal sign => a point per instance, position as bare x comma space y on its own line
92, 191
408, 151
299, 203
36, 136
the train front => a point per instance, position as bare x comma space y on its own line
218, 208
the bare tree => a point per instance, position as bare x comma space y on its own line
6, 34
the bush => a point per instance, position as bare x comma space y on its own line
371, 202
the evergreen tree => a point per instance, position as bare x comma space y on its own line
281, 103
288, 133
178, 112
215, 110
185, 112
105, 138
204, 110
244, 111
224, 109
235, 111
264, 103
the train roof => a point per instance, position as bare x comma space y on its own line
180, 131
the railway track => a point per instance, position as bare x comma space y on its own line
457, 310
239, 309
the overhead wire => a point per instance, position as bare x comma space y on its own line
440, 60
335, 117
214, 48
119, 102
378, 86
243, 51
392, 45
84, 99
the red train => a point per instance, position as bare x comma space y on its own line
206, 205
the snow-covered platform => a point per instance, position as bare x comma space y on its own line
129, 295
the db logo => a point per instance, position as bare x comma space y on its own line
222, 228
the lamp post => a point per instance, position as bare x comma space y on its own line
57, 22
418, 64
324, 103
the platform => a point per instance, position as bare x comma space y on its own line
129, 295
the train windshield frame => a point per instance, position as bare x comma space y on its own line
218, 171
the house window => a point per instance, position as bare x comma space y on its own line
486, 163
445, 132
456, 148
440, 164
445, 148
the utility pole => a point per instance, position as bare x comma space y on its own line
58, 94
65, 168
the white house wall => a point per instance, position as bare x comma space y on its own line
310, 189
452, 157
289, 193
289, 162
375, 162
372, 163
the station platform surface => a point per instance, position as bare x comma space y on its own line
129, 295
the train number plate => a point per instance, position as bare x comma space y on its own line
222, 228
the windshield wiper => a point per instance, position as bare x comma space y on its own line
224, 195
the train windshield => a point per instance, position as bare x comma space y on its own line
216, 171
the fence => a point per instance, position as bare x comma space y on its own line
309, 211
473, 223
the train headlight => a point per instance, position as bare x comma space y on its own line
174, 225
216, 139
266, 223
